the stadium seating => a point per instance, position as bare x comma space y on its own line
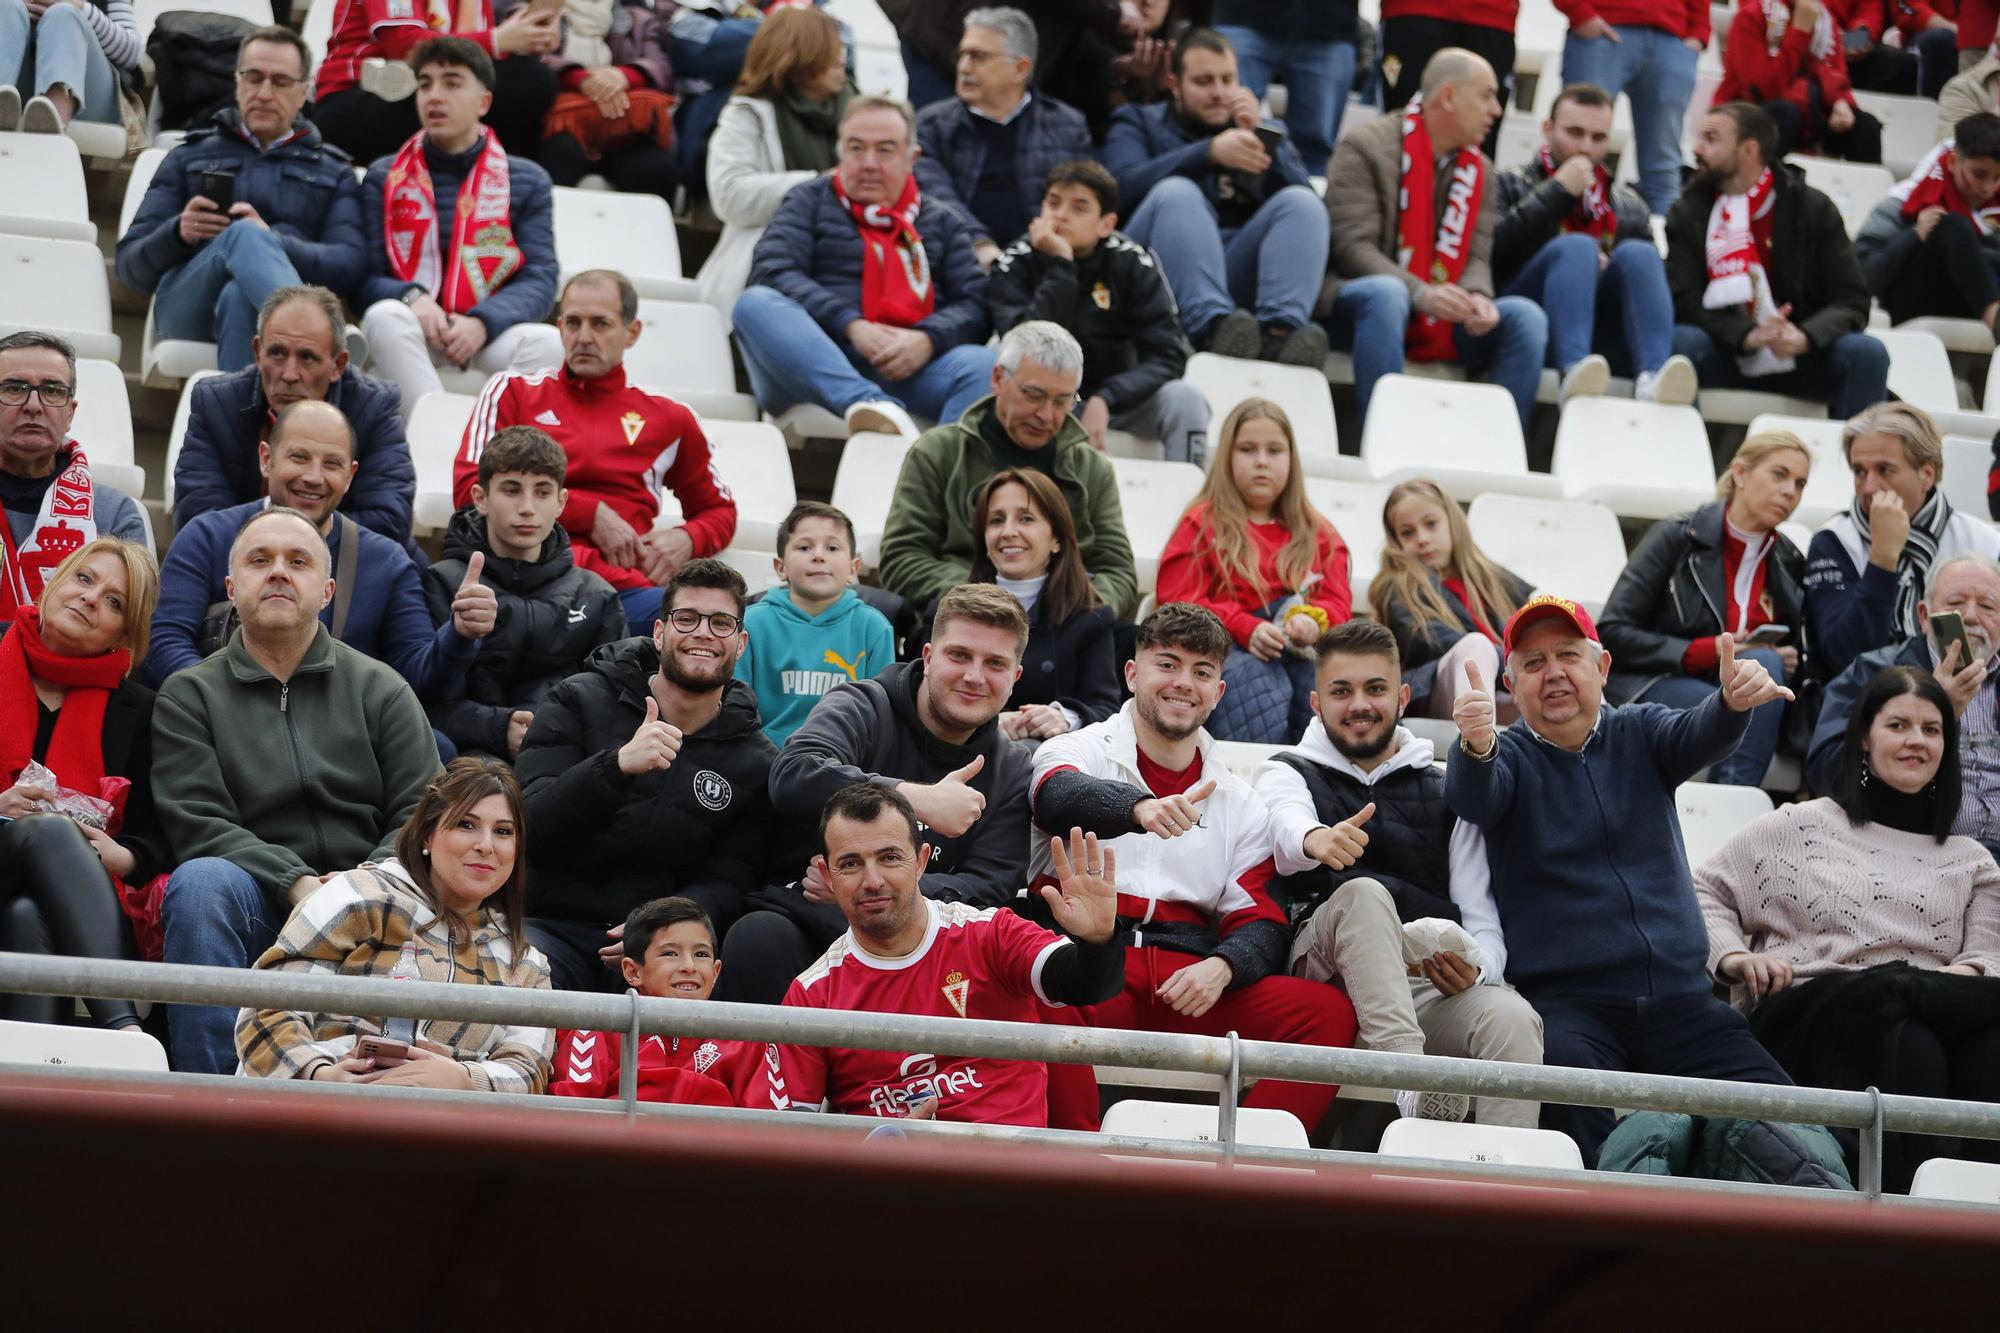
179, 433
1829, 486
683, 352
1909, 128
1957, 1181
633, 233
753, 462
1490, 1145
1967, 463
1355, 510
1854, 187
865, 484
56, 205
1969, 336
1257, 1126
80, 1048
1571, 547
1643, 460
1243, 757
1712, 814
1919, 370
436, 430
57, 287
1155, 496
144, 168
103, 421
1465, 437
1301, 391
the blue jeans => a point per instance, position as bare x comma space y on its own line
1272, 265
59, 48
215, 296
1371, 317
1623, 310
1317, 78
792, 360
1745, 767
1848, 376
710, 50
1655, 69
928, 83
213, 915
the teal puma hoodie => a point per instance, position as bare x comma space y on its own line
794, 658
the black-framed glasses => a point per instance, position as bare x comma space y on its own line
53, 393
257, 78
720, 623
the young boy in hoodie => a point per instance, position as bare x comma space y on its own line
670, 951
552, 614
812, 632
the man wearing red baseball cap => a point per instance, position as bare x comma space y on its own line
1588, 872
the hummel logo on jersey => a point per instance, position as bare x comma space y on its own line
548, 418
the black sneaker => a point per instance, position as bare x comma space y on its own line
1235, 334
1303, 346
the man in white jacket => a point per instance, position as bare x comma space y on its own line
1392, 889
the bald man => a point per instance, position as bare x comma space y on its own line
377, 606
1410, 270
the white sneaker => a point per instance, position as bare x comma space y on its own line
1674, 384
1450, 1106
10, 108
1588, 378
880, 417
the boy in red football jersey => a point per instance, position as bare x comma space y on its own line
669, 951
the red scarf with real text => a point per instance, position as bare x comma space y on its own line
68, 519
1436, 248
1593, 214
483, 251
896, 284
76, 748
1935, 186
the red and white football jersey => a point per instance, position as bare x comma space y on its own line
691, 1071
973, 963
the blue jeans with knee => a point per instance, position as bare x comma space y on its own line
1745, 767
1621, 309
59, 47
1317, 78
1371, 317
215, 296
1655, 70
1851, 374
792, 360
213, 915
1272, 265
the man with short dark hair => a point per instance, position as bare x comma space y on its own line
646, 774
292, 212
1767, 293
625, 445
52, 503
1931, 246
1075, 269
280, 762
927, 729
301, 356
461, 238
1208, 943
906, 953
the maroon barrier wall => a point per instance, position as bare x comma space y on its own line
136, 1209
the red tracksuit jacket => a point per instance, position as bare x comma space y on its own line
626, 448
688, 1071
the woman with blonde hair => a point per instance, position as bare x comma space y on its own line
1252, 549
82, 815
1444, 599
1724, 566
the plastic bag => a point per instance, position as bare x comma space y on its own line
89, 811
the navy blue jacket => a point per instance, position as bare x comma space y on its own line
388, 619
1589, 874
228, 415
1047, 133
811, 252
303, 188
1147, 144
525, 298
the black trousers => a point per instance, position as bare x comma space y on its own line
1952, 274
764, 952
56, 899
1860, 142
367, 127
644, 168
1921, 72
1408, 43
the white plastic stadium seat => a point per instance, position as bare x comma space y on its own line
1539, 32
1854, 187
1226, 381
179, 434
1991, 397
1641, 459
1495, 1145
1712, 813
1257, 1126
753, 462
165, 362
1919, 369
865, 483
1909, 128
1243, 757
880, 72
436, 431
57, 287
47, 198
1969, 336
80, 1048
1154, 495
103, 421
1956, 1181
1355, 510
633, 233
1465, 437
683, 352
1571, 547
1829, 487
144, 168
1967, 463
317, 30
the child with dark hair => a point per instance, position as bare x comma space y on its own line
670, 951
552, 614
1931, 247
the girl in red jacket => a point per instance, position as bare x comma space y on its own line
1252, 549
1789, 59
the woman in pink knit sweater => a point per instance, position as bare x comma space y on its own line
1864, 934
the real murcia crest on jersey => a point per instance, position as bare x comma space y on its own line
957, 990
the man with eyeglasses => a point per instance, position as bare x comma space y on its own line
1027, 422
53, 504
290, 211
646, 775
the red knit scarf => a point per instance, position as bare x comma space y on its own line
1435, 248
76, 749
1593, 212
1938, 188
483, 252
896, 284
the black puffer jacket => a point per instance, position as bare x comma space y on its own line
1533, 205
1671, 593
602, 842
552, 616
1409, 839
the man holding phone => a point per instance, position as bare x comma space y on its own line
245, 206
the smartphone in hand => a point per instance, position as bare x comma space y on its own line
219, 188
